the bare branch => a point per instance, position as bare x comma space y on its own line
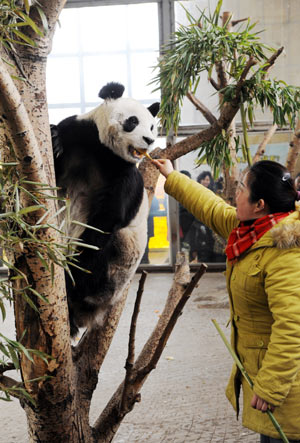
7, 383
251, 62
202, 108
270, 62
236, 22
262, 146
131, 345
214, 84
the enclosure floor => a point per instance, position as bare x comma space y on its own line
183, 399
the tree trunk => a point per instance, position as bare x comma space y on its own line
230, 173
294, 150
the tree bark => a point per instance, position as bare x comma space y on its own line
294, 150
262, 146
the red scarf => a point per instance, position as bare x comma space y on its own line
244, 236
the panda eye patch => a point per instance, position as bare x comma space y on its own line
151, 129
130, 123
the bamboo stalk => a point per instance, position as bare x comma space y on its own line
248, 379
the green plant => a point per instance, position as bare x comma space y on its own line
200, 48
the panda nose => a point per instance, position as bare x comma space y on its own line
148, 140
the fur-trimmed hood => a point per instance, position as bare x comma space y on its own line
286, 234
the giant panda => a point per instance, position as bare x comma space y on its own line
95, 158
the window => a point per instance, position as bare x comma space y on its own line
93, 46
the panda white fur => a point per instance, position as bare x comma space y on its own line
95, 164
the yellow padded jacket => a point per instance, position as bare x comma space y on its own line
264, 293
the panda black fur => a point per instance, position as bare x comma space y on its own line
95, 165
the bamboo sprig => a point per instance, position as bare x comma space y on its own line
245, 146
248, 379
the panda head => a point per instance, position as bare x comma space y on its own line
125, 126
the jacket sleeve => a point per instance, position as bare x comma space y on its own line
204, 204
281, 362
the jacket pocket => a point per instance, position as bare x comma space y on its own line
253, 350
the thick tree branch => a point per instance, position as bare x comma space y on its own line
16, 119
270, 62
221, 73
214, 84
202, 108
294, 150
8, 383
228, 112
262, 146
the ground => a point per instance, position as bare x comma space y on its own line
183, 399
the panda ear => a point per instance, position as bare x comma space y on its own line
154, 108
111, 90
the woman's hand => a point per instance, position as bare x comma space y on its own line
165, 166
261, 404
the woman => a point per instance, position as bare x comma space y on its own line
263, 281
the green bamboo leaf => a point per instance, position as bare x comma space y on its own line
41, 258
84, 245
43, 19
2, 308
24, 37
29, 301
75, 222
4, 350
27, 6
42, 297
30, 209
13, 355
29, 22
23, 393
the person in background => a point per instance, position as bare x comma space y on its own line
201, 237
186, 220
205, 179
154, 211
263, 282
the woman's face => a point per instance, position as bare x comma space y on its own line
205, 181
244, 209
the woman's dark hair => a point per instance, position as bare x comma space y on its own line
273, 183
187, 173
202, 176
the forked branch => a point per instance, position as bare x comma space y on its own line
112, 416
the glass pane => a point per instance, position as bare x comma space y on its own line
56, 115
201, 243
103, 28
101, 69
157, 250
63, 80
106, 40
141, 74
66, 37
143, 34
